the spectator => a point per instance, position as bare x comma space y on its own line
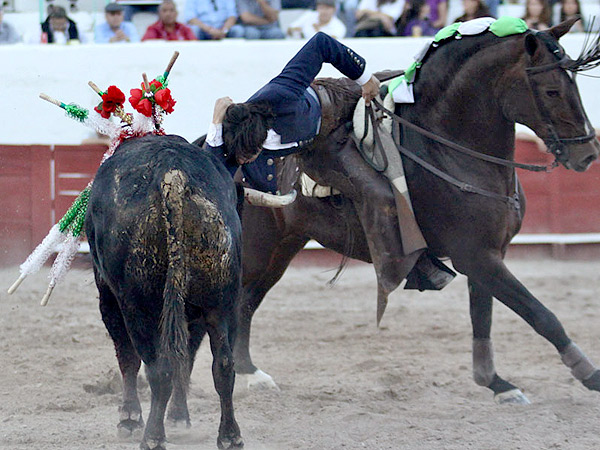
537, 14
213, 19
376, 18
58, 28
115, 29
8, 34
167, 27
438, 12
347, 12
323, 19
414, 21
474, 9
569, 9
132, 7
260, 18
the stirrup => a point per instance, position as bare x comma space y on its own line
429, 274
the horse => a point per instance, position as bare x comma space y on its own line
470, 92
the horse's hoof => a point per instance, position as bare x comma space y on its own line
130, 428
513, 397
225, 443
260, 381
153, 444
593, 382
178, 423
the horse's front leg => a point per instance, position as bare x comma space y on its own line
484, 371
490, 271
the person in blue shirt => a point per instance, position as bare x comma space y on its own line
115, 29
213, 19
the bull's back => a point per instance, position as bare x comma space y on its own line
156, 198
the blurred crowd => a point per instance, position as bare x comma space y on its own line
260, 19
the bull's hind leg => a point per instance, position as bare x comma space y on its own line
224, 377
129, 362
489, 271
484, 372
178, 413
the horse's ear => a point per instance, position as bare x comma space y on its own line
531, 44
562, 28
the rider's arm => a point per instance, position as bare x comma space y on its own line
303, 68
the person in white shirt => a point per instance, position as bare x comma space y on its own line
322, 19
375, 18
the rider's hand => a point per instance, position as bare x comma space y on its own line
370, 89
221, 106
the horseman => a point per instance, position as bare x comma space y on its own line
286, 115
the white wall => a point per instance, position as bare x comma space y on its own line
204, 72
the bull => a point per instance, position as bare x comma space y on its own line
165, 239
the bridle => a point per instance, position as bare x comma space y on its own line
557, 145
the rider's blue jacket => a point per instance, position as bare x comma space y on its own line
297, 110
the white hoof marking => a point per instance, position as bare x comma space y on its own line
514, 396
260, 380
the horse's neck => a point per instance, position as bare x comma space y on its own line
463, 103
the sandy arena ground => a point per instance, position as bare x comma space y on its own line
344, 383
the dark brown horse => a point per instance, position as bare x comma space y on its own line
471, 91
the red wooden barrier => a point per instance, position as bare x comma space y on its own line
39, 183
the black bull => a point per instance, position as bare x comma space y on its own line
165, 238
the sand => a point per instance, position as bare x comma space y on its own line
345, 384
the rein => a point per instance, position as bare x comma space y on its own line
464, 187
460, 148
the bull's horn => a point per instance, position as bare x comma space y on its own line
16, 284
258, 198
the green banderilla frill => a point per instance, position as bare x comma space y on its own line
75, 111
74, 218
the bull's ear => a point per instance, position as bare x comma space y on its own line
562, 28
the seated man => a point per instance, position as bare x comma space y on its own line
213, 19
58, 28
167, 27
284, 117
115, 29
260, 19
323, 19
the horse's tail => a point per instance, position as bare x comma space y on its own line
174, 331
348, 242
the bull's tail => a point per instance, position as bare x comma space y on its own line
174, 330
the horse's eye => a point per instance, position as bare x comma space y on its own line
553, 94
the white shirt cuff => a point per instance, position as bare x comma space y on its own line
366, 76
214, 137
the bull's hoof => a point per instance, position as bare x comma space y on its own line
225, 443
153, 444
593, 382
259, 381
512, 397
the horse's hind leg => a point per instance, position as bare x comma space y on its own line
484, 372
490, 271
129, 362
267, 254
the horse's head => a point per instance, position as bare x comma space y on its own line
547, 82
